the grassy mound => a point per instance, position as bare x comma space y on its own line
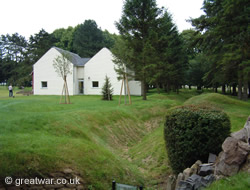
237, 110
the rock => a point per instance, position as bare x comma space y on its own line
206, 181
243, 134
206, 169
229, 144
212, 158
240, 135
244, 146
195, 167
235, 151
171, 182
246, 166
179, 178
198, 162
222, 168
187, 173
183, 185
67, 171
194, 180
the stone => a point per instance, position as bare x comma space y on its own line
67, 171
207, 180
194, 179
244, 146
195, 168
187, 173
222, 168
206, 169
171, 182
80, 187
243, 134
179, 178
212, 158
198, 162
2, 188
229, 144
183, 185
246, 166
240, 135
235, 151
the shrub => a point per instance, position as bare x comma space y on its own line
192, 132
107, 90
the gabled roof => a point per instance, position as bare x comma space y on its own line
75, 59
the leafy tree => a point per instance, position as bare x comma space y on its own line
88, 39
64, 38
107, 90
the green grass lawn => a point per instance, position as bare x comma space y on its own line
99, 139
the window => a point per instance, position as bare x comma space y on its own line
44, 84
95, 84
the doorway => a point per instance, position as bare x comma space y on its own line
81, 87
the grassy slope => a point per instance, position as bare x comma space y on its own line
237, 110
241, 181
100, 139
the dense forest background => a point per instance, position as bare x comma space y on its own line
17, 54
214, 54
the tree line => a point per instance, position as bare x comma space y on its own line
215, 54
17, 54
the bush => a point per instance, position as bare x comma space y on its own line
192, 132
107, 90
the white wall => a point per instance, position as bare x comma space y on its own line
44, 71
96, 69
135, 88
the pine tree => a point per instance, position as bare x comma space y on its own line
136, 26
107, 90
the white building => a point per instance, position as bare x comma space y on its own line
87, 74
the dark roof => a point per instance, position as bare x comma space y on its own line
75, 59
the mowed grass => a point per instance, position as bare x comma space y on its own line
237, 110
99, 139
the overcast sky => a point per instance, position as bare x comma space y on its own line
27, 17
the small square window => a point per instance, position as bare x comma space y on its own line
95, 84
44, 84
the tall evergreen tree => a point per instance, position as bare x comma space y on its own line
225, 40
137, 24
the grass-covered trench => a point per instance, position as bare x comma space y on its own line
99, 139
